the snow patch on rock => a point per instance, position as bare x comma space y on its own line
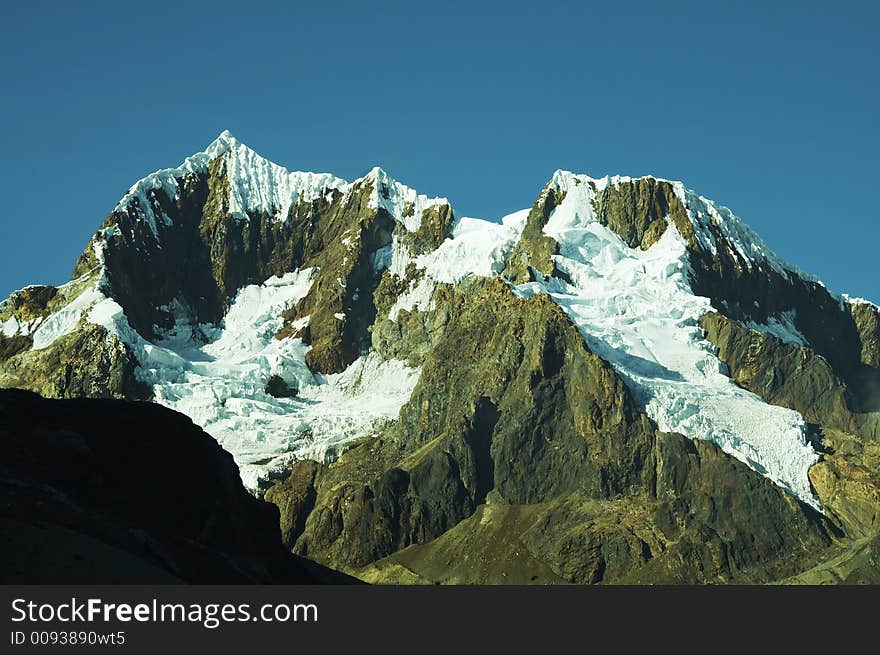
783, 326
10, 327
477, 247
65, 320
220, 381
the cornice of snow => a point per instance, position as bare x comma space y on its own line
858, 301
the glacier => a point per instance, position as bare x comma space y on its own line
636, 310
220, 383
222, 386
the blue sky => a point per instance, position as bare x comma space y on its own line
771, 110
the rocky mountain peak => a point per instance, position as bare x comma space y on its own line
294, 314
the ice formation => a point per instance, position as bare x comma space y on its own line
636, 310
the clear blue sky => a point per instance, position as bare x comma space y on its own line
770, 108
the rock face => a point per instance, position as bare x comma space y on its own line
101, 491
517, 366
792, 376
640, 210
447, 494
534, 251
559, 398
839, 401
87, 363
342, 243
848, 481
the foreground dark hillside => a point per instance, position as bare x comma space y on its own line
103, 491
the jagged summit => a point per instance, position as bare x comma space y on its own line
377, 173
255, 185
225, 138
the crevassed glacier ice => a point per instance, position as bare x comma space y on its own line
637, 311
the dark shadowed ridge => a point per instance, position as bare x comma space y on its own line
105, 492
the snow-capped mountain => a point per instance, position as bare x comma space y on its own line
200, 335
292, 314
